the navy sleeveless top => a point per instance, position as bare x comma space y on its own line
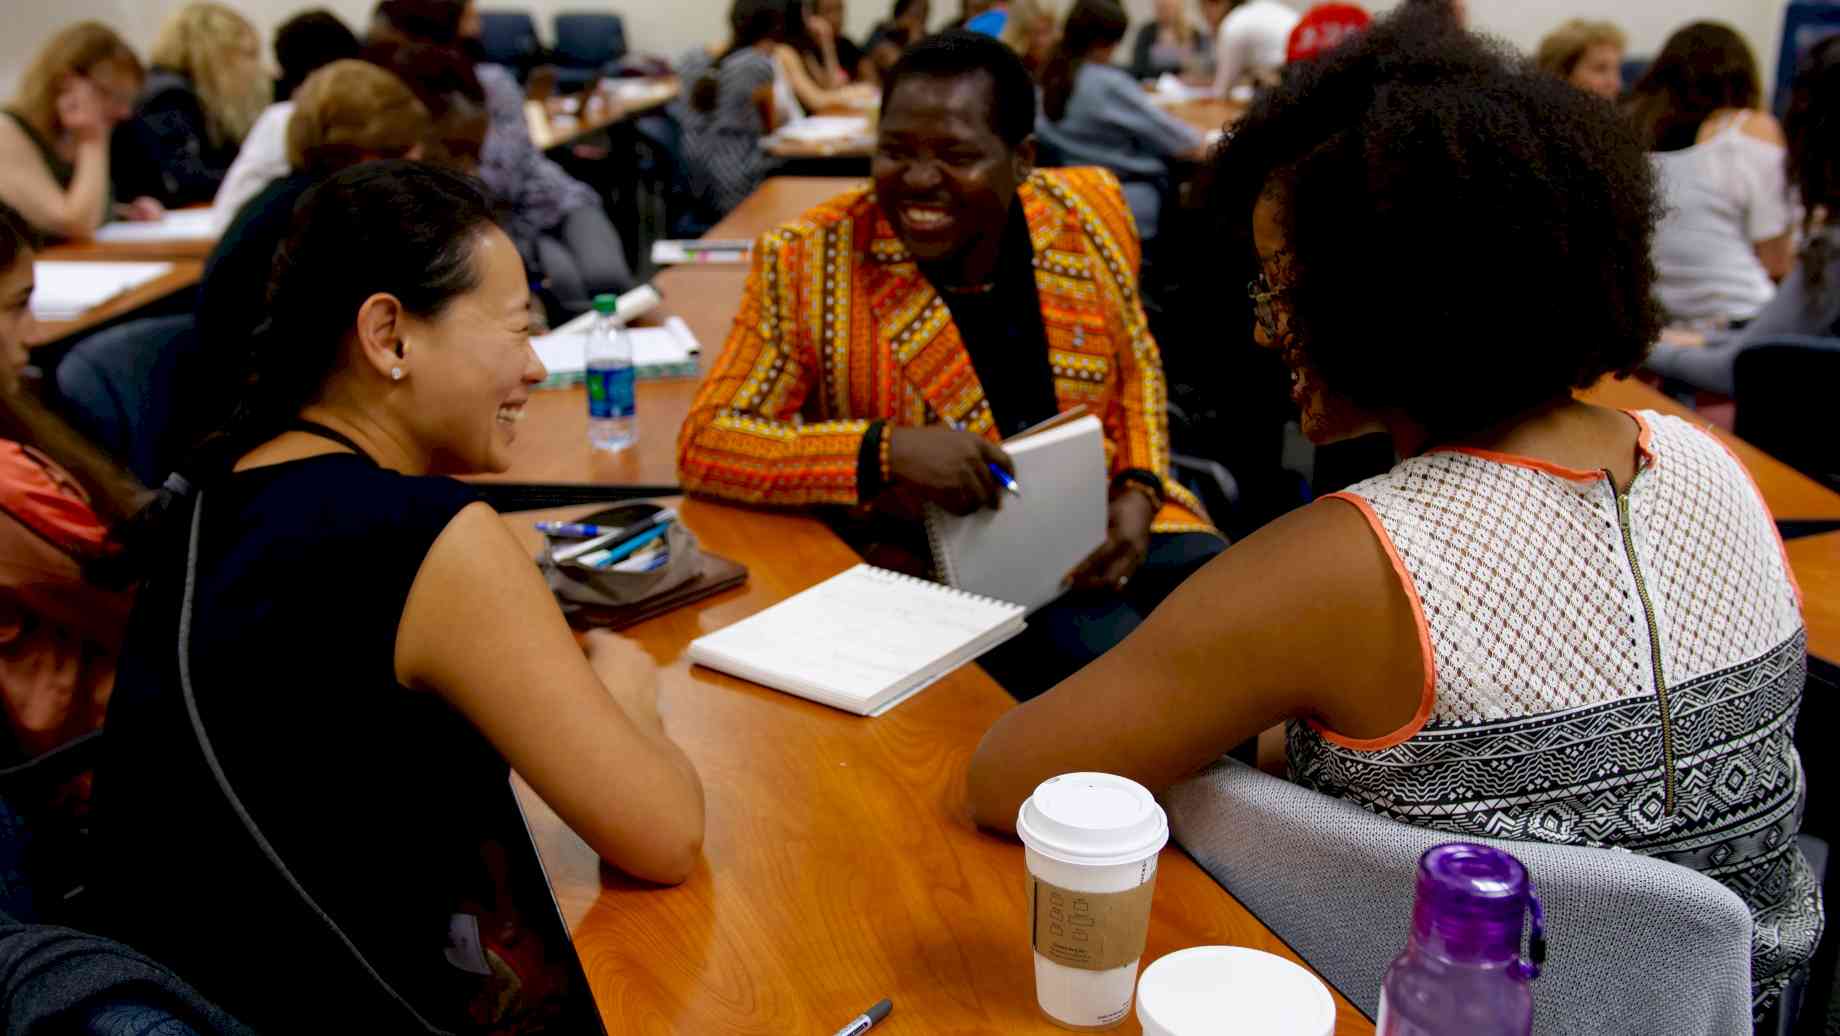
376, 798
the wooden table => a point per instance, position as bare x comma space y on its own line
1816, 561
552, 443
552, 126
185, 274
840, 864
1791, 495
1208, 116
198, 248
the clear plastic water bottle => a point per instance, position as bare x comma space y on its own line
1462, 971
613, 422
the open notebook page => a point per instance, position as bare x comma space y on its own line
859, 638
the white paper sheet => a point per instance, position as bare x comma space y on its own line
183, 225
67, 290
818, 129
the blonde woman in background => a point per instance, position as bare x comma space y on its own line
1588, 54
1031, 31
54, 140
207, 88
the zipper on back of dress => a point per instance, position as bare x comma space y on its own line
1654, 643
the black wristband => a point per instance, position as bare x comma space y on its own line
869, 463
1143, 477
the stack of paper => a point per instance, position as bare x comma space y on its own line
183, 225
658, 352
825, 129
67, 290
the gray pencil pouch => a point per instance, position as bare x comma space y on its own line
580, 584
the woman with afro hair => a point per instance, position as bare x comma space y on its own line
1444, 244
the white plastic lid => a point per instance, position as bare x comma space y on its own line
1092, 819
1213, 989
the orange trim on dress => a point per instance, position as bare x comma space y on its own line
1516, 460
1572, 474
1428, 696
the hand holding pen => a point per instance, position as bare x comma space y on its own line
960, 471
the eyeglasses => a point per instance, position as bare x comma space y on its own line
1264, 304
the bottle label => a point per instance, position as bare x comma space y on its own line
1091, 931
610, 392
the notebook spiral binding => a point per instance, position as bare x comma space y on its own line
936, 541
929, 584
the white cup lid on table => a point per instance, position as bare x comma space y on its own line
1232, 989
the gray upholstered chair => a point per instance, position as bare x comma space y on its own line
1637, 945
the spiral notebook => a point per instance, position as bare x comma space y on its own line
1021, 552
862, 641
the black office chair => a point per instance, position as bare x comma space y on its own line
121, 389
587, 46
1785, 389
509, 38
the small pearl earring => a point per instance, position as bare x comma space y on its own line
395, 373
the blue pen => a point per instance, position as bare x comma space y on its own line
1009, 484
625, 550
573, 529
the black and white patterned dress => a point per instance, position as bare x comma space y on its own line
722, 146
1618, 671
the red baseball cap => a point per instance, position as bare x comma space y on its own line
1324, 28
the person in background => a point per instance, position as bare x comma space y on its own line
1170, 44
729, 107
445, 80
814, 40
346, 113
559, 223
1031, 31
1587, 54
1250, 47
55, 139
883, 50
849, 55
411, 658
1408, 673
62, 614
1095, 113
938, 255
204, 93
304, 44
906, 23
1726, 238
800, 89
1808, 302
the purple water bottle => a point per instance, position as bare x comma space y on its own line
1462, 971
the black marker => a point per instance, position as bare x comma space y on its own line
861, 1023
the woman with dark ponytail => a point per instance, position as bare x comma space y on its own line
731, 106
1094, 113
63, 608
337, 655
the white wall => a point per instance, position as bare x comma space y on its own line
667, 27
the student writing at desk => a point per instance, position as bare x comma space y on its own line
1551, 621
337, 656
890, 338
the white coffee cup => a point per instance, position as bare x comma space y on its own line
1091, 842
1213, 989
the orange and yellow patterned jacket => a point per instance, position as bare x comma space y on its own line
838, 329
